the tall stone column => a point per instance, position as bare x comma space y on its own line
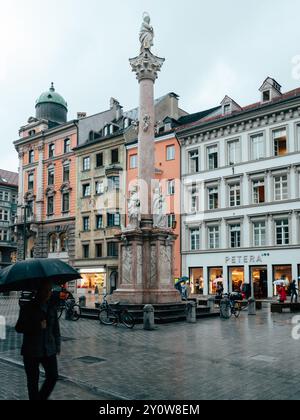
146, 66
146, 273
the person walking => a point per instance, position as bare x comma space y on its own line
294, 291
39, 325
282, 294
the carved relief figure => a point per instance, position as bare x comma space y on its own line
134, 205
159, 209
147, 121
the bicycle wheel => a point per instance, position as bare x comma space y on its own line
237, 310
225, 311
127, 319
60, 310
107, 317
76, 313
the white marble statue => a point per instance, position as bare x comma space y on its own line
134, 206
159, 209
146, 33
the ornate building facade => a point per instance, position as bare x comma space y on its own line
8, 211
46, 202
241, 201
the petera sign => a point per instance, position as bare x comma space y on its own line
247, 259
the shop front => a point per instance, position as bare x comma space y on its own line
284, 273
215, 276
92, 279
259, 282
253, 272
197, 280
236, 277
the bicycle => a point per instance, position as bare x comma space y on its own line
111, 316
73, 309
230, 307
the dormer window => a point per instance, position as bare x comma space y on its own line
266, 96
31, 133
227, 109
111, 129
106, 131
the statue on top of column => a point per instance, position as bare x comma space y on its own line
146, 33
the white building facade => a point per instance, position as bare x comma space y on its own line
241, 175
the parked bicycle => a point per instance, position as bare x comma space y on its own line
72, 308
114, 316
231, 306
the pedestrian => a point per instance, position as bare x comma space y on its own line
39, 325
282, 294
184, 291
294, 291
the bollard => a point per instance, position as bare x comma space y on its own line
82, 301
252, 306
211, 304
149, 322
225, 309
191, 316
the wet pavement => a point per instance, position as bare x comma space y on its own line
247, 358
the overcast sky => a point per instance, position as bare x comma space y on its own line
211, 48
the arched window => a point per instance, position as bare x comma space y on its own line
52, 243
63, 242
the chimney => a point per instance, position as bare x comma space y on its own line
81, 115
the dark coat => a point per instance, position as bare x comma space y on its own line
38, 342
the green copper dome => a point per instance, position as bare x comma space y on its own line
52, 97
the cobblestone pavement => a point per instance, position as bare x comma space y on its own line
247, 358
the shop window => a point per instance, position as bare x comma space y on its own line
259, 279
284, 273
90, 281
236, 278
215, 277
197, 280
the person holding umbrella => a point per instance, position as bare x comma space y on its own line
39, 325
38, 320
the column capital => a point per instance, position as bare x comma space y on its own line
146, 65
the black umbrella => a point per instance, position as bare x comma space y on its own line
30, 274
